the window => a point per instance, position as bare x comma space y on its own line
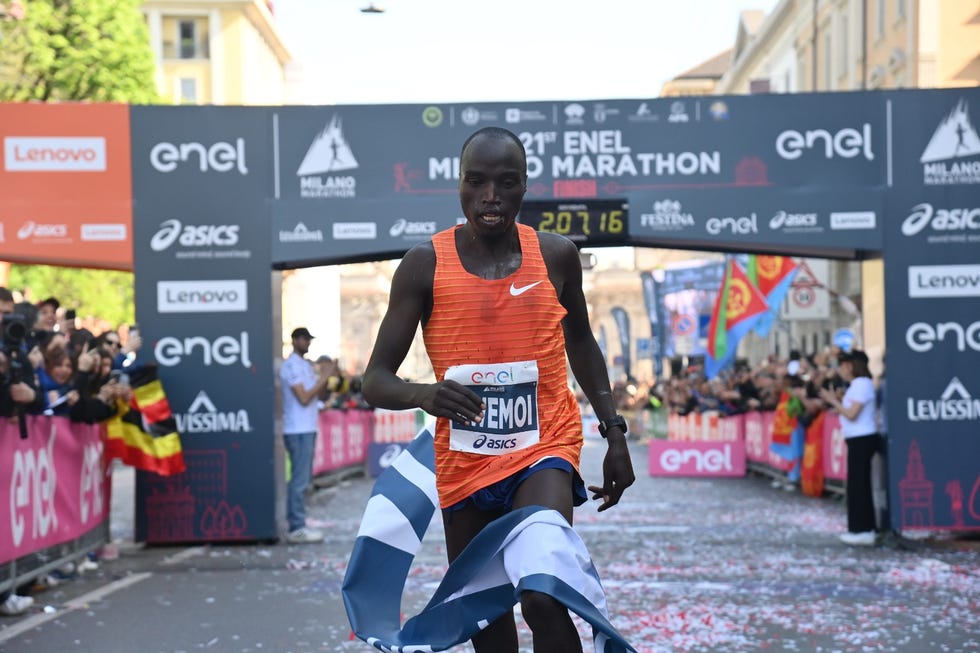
187, 91
880, 18
899, 9
187, 37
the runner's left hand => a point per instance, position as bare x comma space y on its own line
617, 473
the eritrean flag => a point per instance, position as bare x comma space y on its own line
144, 432
773, 276
737, 309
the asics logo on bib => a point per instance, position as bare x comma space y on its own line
494, 444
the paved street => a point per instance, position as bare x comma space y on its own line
688, 565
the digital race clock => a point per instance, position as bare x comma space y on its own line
585, 221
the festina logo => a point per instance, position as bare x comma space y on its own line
954, 405
204, 417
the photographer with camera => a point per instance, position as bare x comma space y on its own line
19, 392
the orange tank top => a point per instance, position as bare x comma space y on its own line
485, 322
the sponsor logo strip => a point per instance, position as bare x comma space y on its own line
944, 281
840, 220
54, 154
218, 296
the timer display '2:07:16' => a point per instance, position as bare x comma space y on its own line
582, 222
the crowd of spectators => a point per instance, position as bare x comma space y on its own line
740, 388
51, 365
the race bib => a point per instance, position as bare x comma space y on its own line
510, 421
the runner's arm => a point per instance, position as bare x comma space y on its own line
585, 358
410, 297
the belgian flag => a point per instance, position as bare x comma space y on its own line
143, 433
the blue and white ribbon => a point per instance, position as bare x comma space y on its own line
533, 548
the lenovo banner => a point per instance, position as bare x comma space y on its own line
65, 193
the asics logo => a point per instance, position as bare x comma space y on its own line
515, 290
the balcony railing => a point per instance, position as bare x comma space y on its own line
186, 49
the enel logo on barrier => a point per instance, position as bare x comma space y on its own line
669, 458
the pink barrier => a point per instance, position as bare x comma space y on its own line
342, 439
756, 447
834, 449
394, 426
755, 429
716, 458
706, 427
56, 489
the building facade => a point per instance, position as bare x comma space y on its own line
846, 45
217, 51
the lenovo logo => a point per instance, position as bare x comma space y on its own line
54, 154
211, 296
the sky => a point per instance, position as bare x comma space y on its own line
424, 51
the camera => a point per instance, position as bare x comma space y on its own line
19, 369
14, 329
15, 335
119, 377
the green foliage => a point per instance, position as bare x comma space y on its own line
71, 50
104, 294
64, 50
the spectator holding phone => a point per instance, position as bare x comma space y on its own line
857, 416
123, 353
97, 393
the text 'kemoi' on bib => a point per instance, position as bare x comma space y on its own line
510, 421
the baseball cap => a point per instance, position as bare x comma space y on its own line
301, 332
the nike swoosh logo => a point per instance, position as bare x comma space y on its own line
515, 291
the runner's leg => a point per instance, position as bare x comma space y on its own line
461, 527
548, 619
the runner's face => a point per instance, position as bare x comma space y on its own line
492, 183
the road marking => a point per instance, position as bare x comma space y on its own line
183, 555
75, 604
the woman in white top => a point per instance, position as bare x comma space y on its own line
857, 415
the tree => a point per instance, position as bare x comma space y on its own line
76, 50
102, 294
65, 50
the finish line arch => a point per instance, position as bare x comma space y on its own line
220, 196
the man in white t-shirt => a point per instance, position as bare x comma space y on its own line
300, 383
